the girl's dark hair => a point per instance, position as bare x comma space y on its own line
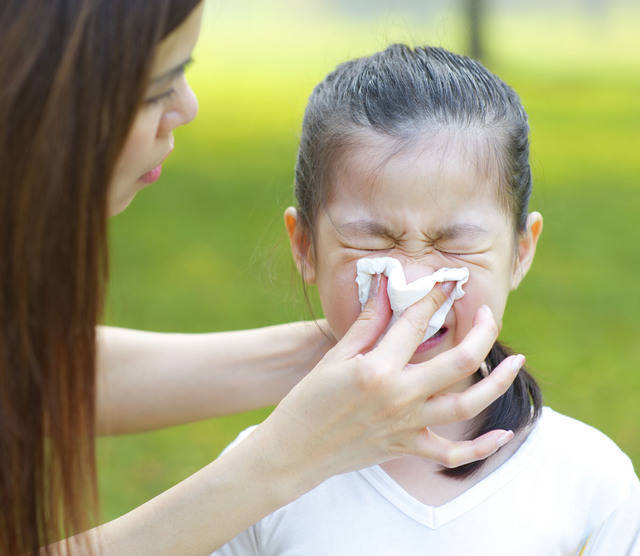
73, 75
404, 93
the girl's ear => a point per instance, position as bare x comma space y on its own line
526, 248
300, 245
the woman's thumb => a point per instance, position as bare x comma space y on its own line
370, 324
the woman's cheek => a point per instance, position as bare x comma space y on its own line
138, 147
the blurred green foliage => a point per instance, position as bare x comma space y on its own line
204, 249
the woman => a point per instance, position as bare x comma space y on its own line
91, 92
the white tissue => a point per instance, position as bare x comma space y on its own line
402, 295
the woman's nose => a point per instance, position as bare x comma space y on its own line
181, 111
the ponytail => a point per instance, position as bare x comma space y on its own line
517, 408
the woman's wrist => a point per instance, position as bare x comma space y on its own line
288, 352
280, 462
309, 342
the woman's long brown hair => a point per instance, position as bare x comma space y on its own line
72, 77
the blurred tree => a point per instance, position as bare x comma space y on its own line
474, 13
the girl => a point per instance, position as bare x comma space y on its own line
91, 92
422, 155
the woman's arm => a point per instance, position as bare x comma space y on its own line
201, 513
148, 380
357, 407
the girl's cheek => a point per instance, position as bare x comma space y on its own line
339, 298
341, 312
478, 292
463, 310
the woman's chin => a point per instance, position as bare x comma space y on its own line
116, 206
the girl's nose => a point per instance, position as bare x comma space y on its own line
413, 270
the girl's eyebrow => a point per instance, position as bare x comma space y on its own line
173, 72
367, 227
373, 228
457, 230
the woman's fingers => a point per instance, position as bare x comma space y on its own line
368, 405
452, 453
462, 406
458, 362
372, 321
399, 344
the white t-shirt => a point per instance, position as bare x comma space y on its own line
547, 499
620, 530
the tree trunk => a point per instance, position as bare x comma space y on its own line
474, 12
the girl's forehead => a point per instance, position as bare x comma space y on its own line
448, 168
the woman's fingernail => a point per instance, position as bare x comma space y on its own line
447, 287
504, 438
518, 362
375, 285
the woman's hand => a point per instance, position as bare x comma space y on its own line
363, 404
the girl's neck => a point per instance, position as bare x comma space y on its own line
422, 479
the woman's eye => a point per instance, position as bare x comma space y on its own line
159, 98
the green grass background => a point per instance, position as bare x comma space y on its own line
204, 249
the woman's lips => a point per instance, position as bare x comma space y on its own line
152, 175
433, 341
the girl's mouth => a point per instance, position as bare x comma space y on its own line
433, 341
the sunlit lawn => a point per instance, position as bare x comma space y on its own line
204, 249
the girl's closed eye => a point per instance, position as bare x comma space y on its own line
460, 251
382, 246
370, 248
453, 252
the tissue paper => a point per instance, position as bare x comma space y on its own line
402, 295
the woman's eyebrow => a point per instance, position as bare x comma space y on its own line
173, 72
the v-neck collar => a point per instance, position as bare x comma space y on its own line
437, 516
